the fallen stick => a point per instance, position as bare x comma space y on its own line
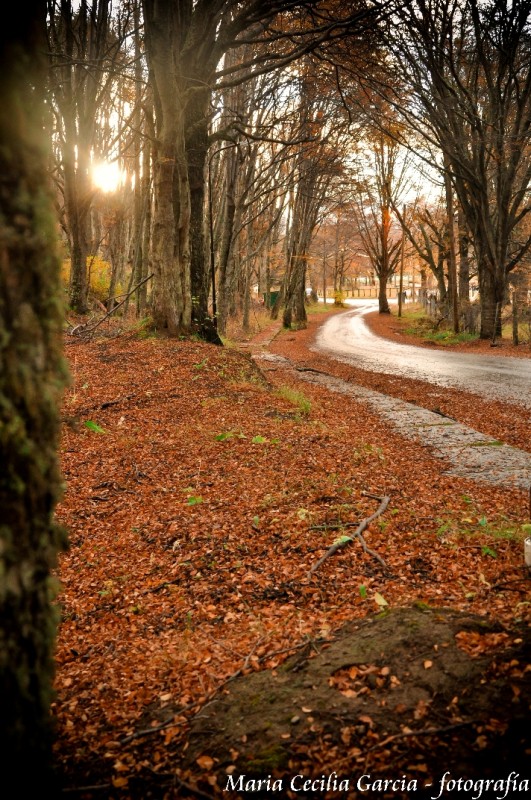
384, 502
195, 791
86, 330
422, 732
334, 526
99, 787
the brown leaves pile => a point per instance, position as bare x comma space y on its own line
193, 498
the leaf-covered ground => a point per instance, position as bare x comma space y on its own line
199, 495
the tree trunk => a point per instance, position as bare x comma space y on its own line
295, 291
515, 318
197, 150
171, 296
227, 274
442, 287
117, 249
383, 303
464, 269
452, 265
246, 300
74, 185
32, 374
140, 198
141, 295
300, 317
423, 289
384, 271
490, 304
171, 299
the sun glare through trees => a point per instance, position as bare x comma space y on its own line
108, 176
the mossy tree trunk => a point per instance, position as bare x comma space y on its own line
32, 374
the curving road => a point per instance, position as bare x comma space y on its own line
347, 338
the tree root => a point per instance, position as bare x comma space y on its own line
177, 713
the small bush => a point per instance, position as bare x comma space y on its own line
449, 337
339, 299
100, 277
419, 323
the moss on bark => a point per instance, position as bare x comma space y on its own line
32, 374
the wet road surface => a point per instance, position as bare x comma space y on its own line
467, 452
347, 338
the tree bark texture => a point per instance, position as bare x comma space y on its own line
32, 374
384, 270
171, 299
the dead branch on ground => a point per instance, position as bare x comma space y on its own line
344, 540
89, 330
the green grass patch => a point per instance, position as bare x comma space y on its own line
320, 308
418, 323
486, 533
524, 332
297, 399
449, 337
417, 315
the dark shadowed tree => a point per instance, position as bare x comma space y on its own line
32, 375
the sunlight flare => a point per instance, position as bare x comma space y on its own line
107, 176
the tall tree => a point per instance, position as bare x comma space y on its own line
378, 194
263, 122
185, 42
85, 47
318, 163
468, 66
426, 227
32, 374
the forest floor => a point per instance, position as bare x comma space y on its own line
203, 647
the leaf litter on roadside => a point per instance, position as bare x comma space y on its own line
191, 565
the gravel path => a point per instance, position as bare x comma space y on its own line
469, 453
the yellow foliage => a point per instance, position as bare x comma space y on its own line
100, 276
339, 298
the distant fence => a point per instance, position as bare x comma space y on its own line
366, 292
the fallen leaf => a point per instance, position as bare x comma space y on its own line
205, 762
380, 600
